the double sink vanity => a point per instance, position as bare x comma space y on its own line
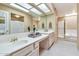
28, 45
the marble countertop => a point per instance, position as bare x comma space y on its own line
45, 32
12, 47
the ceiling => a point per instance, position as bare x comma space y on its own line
65, 8
41, 9
34, 9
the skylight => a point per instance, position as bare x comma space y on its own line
44, 8
36, 3
14, 5
36, 11
27, 6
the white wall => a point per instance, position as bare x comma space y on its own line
71, 22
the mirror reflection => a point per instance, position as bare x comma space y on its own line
2, 25
17, 23
50, 25
11, 23
42, 25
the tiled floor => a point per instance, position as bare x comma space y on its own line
62, 48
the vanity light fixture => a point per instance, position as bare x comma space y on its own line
17, 16
17, 6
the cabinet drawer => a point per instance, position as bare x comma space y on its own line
34, 52
24, 51
36, 44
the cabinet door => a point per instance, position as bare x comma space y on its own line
24, 51
44, 44
51, 39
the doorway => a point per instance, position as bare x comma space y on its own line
71, 28
67, 28
61, 28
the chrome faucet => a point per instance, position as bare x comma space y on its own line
13, 39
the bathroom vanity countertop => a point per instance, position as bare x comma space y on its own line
10, 48
45, 32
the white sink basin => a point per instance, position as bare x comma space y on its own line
9, 46
18, 42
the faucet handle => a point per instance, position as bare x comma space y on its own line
13, 39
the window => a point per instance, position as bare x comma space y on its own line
36, 3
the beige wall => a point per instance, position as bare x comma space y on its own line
27, 18
78, 25
71, 22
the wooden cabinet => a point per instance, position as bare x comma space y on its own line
35, 51
23, 51
31, 50
47, 42
51, 39
44, 44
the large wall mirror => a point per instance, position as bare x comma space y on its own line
11, 23
4, 22
17, 23
2, 25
